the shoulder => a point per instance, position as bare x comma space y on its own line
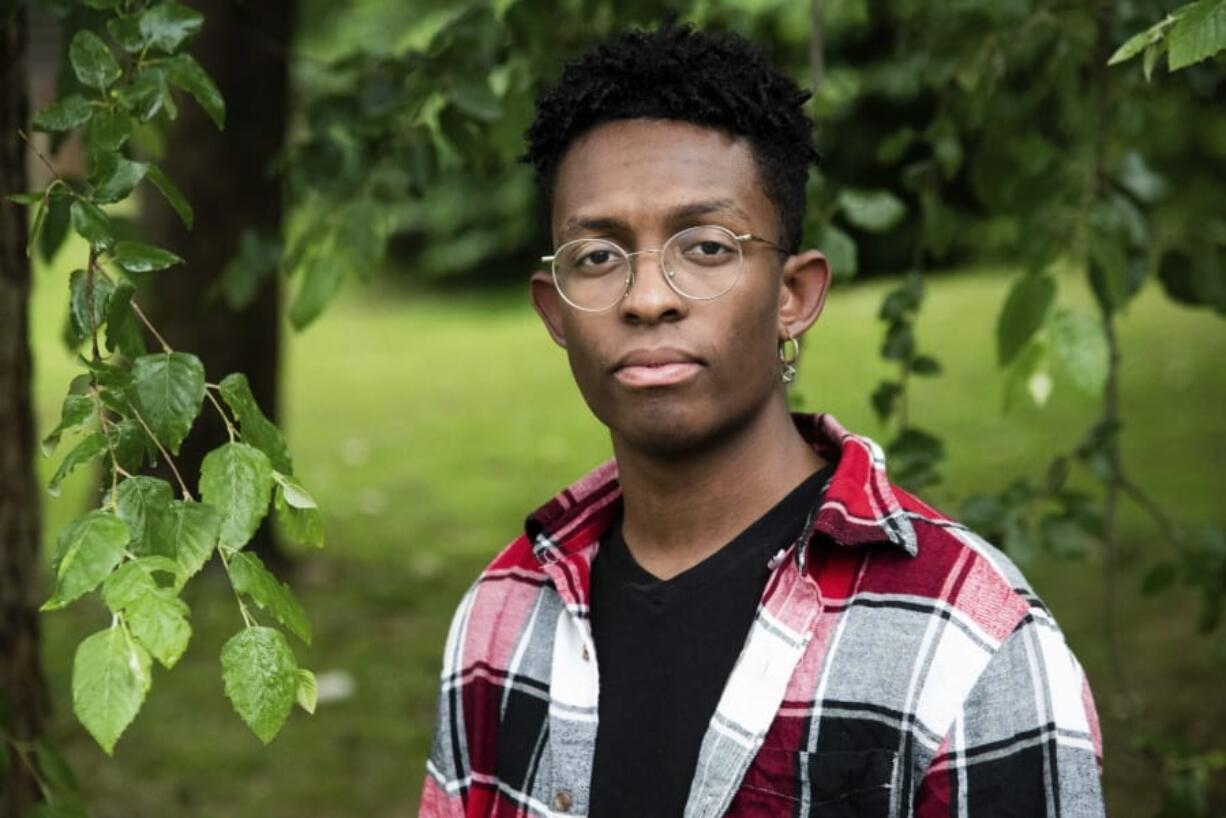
956, 571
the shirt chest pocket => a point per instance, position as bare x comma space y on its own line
833, 783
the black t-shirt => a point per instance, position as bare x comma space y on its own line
665, 649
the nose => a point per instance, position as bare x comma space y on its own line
650, 299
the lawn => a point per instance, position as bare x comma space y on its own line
428, 425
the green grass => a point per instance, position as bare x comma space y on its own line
428, 425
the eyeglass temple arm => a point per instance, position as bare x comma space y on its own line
752, 237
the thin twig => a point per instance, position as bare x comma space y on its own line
39, 154
242, 606
144, 319
89, 298
187, 495
230, 430
1169, 527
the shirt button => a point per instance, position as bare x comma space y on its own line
561, 801
586, 655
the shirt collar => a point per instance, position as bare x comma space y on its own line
860, 505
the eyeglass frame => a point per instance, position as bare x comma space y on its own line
667, 274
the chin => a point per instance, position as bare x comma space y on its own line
671, 428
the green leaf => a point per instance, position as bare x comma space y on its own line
129, 443
145, 95
78, 288
1065, 537
840, 251
261, 679
172, 194
1199, 33
36, 219
295, 495
321, 278
475, 98
75, 412
169, 391
159, 622
256, 428
1080, 345
92, 61
899, 344
86, 553
139, 257
1194, 276
110, 677
1137, 43
55, 227
183, 72
308, 690
912, 457
1159, 577
109, 130
116, 177
1026, 372
139, 500
884, 397
64, 114
56, 772
92, 224
236, 479
126, 32
874, 210
926, 365
122, 327
982, 513
245, 274
362, 236
1018, 543
249, 576
86, 450
188, 532
300, 525
1023, 313
134, 579
168, 25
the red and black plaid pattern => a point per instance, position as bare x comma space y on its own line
898, 665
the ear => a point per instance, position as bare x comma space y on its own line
548, 305
802, 290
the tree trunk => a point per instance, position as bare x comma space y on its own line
23, 694
227, 177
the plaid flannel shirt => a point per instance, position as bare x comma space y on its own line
898, 665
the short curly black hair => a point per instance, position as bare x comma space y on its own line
677, 72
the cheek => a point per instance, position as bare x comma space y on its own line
751, 345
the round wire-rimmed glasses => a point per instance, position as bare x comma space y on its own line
699, 263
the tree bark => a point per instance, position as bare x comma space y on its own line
227, 177
23, 693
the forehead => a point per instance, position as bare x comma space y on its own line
642, 171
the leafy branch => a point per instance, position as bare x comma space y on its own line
141, 546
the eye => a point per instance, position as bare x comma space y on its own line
597, 257
708, 251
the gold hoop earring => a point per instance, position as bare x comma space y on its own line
788, 373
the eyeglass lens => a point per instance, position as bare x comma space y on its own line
698, 262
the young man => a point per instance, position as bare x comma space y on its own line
739, 614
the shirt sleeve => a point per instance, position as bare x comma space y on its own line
1026, 740
448, 772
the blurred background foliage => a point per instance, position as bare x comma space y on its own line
990, 187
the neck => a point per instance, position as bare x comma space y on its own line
681, 508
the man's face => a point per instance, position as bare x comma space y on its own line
667, 374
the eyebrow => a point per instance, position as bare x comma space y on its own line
677, 214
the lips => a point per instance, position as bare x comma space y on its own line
656, 367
